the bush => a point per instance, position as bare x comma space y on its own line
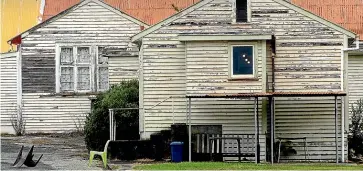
356, 130
123, 95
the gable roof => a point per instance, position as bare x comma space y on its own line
282, 2
148, 11
347, 13
16, 39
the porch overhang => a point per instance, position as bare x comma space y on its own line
355, 52
221, 37
270, 96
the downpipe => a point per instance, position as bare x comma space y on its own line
342, 89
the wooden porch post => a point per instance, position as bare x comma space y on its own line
272, 122
190, 129
257, 138
336, 130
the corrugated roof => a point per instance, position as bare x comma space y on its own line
238, 95
271, 94
347, 13
148, 11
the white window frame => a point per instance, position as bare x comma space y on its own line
254, 58
93, 68
234, 12
97, 71
82, 65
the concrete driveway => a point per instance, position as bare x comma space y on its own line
60, 152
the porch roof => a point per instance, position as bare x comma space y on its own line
270, 94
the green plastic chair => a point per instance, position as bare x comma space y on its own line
103, 155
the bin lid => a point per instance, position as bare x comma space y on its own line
176, 143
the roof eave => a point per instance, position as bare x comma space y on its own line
317, 18
119, 12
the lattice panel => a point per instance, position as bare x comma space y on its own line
66, 55
67, 79
83, 77
83, 55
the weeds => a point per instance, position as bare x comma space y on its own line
18, 122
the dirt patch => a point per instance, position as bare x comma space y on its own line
40, 141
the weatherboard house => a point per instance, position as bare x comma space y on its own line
262, 67
261, 70
62, 63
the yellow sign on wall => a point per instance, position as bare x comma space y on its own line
18, 16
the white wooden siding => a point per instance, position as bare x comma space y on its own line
123, 68
89, 25
44, 113
207, 69
8, 90
312, 118
307, 60
355, 79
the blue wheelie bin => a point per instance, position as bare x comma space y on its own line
176, 151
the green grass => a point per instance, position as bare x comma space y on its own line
244, 166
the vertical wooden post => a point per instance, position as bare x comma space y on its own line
256, 128
258, 135
114, 125
336, 130
272, 122
110, 122
239, 149
190, 129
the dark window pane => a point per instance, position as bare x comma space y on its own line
241, 10
243, 60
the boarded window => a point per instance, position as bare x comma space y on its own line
241, 11
242, 60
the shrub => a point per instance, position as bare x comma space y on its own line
123, 95
356, 130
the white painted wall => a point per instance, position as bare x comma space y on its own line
47, 114
89, 25
307, 60
8, 90
123, 68
355, 79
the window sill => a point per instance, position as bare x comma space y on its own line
240, 23
72, 94
242, 79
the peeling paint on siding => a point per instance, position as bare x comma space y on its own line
307, 60
8, 90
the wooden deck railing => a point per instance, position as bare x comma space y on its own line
225, 145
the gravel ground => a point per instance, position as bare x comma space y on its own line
61, 152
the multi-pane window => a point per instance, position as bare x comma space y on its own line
66, 69
102, 70
82, 69
241, 11
242, 61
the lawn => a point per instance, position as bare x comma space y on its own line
244, 166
